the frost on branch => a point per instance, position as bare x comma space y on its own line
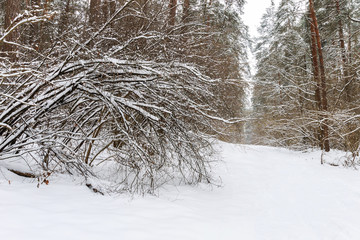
115, 107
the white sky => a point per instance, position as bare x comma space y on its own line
253, 11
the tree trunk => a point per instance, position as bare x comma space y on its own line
105, 10
315, 65
12, 8
64, 18
44, 37
94, 12
186, 10
206, 15
324, 103
349, 43
172, 8
112, 7
347, 81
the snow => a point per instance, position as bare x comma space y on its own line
266, 193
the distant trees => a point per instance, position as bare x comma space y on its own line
283, 90
309, 98
12, 9
126, 91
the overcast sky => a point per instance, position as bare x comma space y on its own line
253, 11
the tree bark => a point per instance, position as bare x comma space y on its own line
44, 37
112, 6
324, 103
105, 10
64, 19
347, 87
172, 8
315, 65
349, 43
206, 6
186, 11
94, 12
12, 8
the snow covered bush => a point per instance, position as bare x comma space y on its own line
118, 101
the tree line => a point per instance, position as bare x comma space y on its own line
307, 83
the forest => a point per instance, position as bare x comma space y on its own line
307, 80
135, 92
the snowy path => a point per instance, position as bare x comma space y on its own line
268, 193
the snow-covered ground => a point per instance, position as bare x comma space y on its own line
267, 193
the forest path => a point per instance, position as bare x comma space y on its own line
267, 193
